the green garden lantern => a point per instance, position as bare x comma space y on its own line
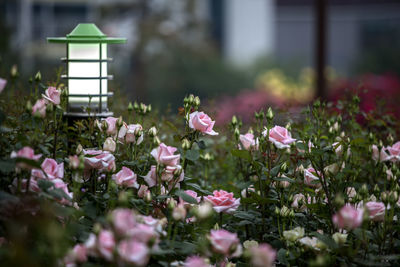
86, 70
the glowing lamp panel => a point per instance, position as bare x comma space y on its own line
87, 70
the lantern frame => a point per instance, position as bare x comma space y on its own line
88, 33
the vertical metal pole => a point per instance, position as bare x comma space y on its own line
101, 79
320, 43
67, 72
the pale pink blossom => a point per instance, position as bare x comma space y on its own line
351, 192
170, 172
201, 122
195, 261
376, 210
151, 177
79, 253
58, 183
193, 194
27, 153
123, 221
299, 202
143, 233
109, 145
338, 148
99, 160
395, 149
280, 136
126, 177
380, 155
33, 185
52, 95
223, 201
248, 142
106, 244
128, 134
143, 190
3, 83
111, 125
39, 108
50, 170
165, 155
224, 242
348, 217
133, 252
262, 255
311, 177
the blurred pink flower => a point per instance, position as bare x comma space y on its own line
112, 125
27, 153
376, 210
99, 160
379, 156
126, 177
3, 83
50, 170
191, 193
348, 217
151, 176
248, 142
39, 108
143, 191
165, 155
106, 244
225, 243
143, 233
33, 186
201, 122
280, 136
52, 95
223, 201
311, 178
262, 255
58, 183
123, 221
195, 261
133, 252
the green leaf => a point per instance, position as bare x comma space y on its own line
186, 197
275, 170
244, 154
7, 166
282, 256
199, 189
30, 162
192, 155
244, 215
287, 179
201, 144
44, 184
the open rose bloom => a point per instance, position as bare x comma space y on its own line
39, 108
27, 153
262, 255
311, 177
348, 217
248, 142
202, 123
99, 160
126, 177
51, 170
223, 201
52, 95
376, 210
165, 155
280, 136
225, 243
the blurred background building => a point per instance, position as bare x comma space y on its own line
209, 47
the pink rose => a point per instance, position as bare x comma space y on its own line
52, 95
262, 256
201, 122
27, 153
106, 244
165, 155
339, 149
126, 177
133, 252
99, 160
123, 221
128, 134
223, 201
395, 149
143, 191
151, 177
169, 172
311, 178
224, 242
143, 233
280, 136
376, 211
195, 261
299, 202
79, 253
50, 170
3, 83
348, 217
248, 142
193, 194
379, 156
109, 145
112, 125
39, 108
58, 183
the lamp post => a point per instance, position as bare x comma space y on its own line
86, 70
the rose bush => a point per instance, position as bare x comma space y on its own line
165, 190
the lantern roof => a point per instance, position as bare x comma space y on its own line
86, 33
